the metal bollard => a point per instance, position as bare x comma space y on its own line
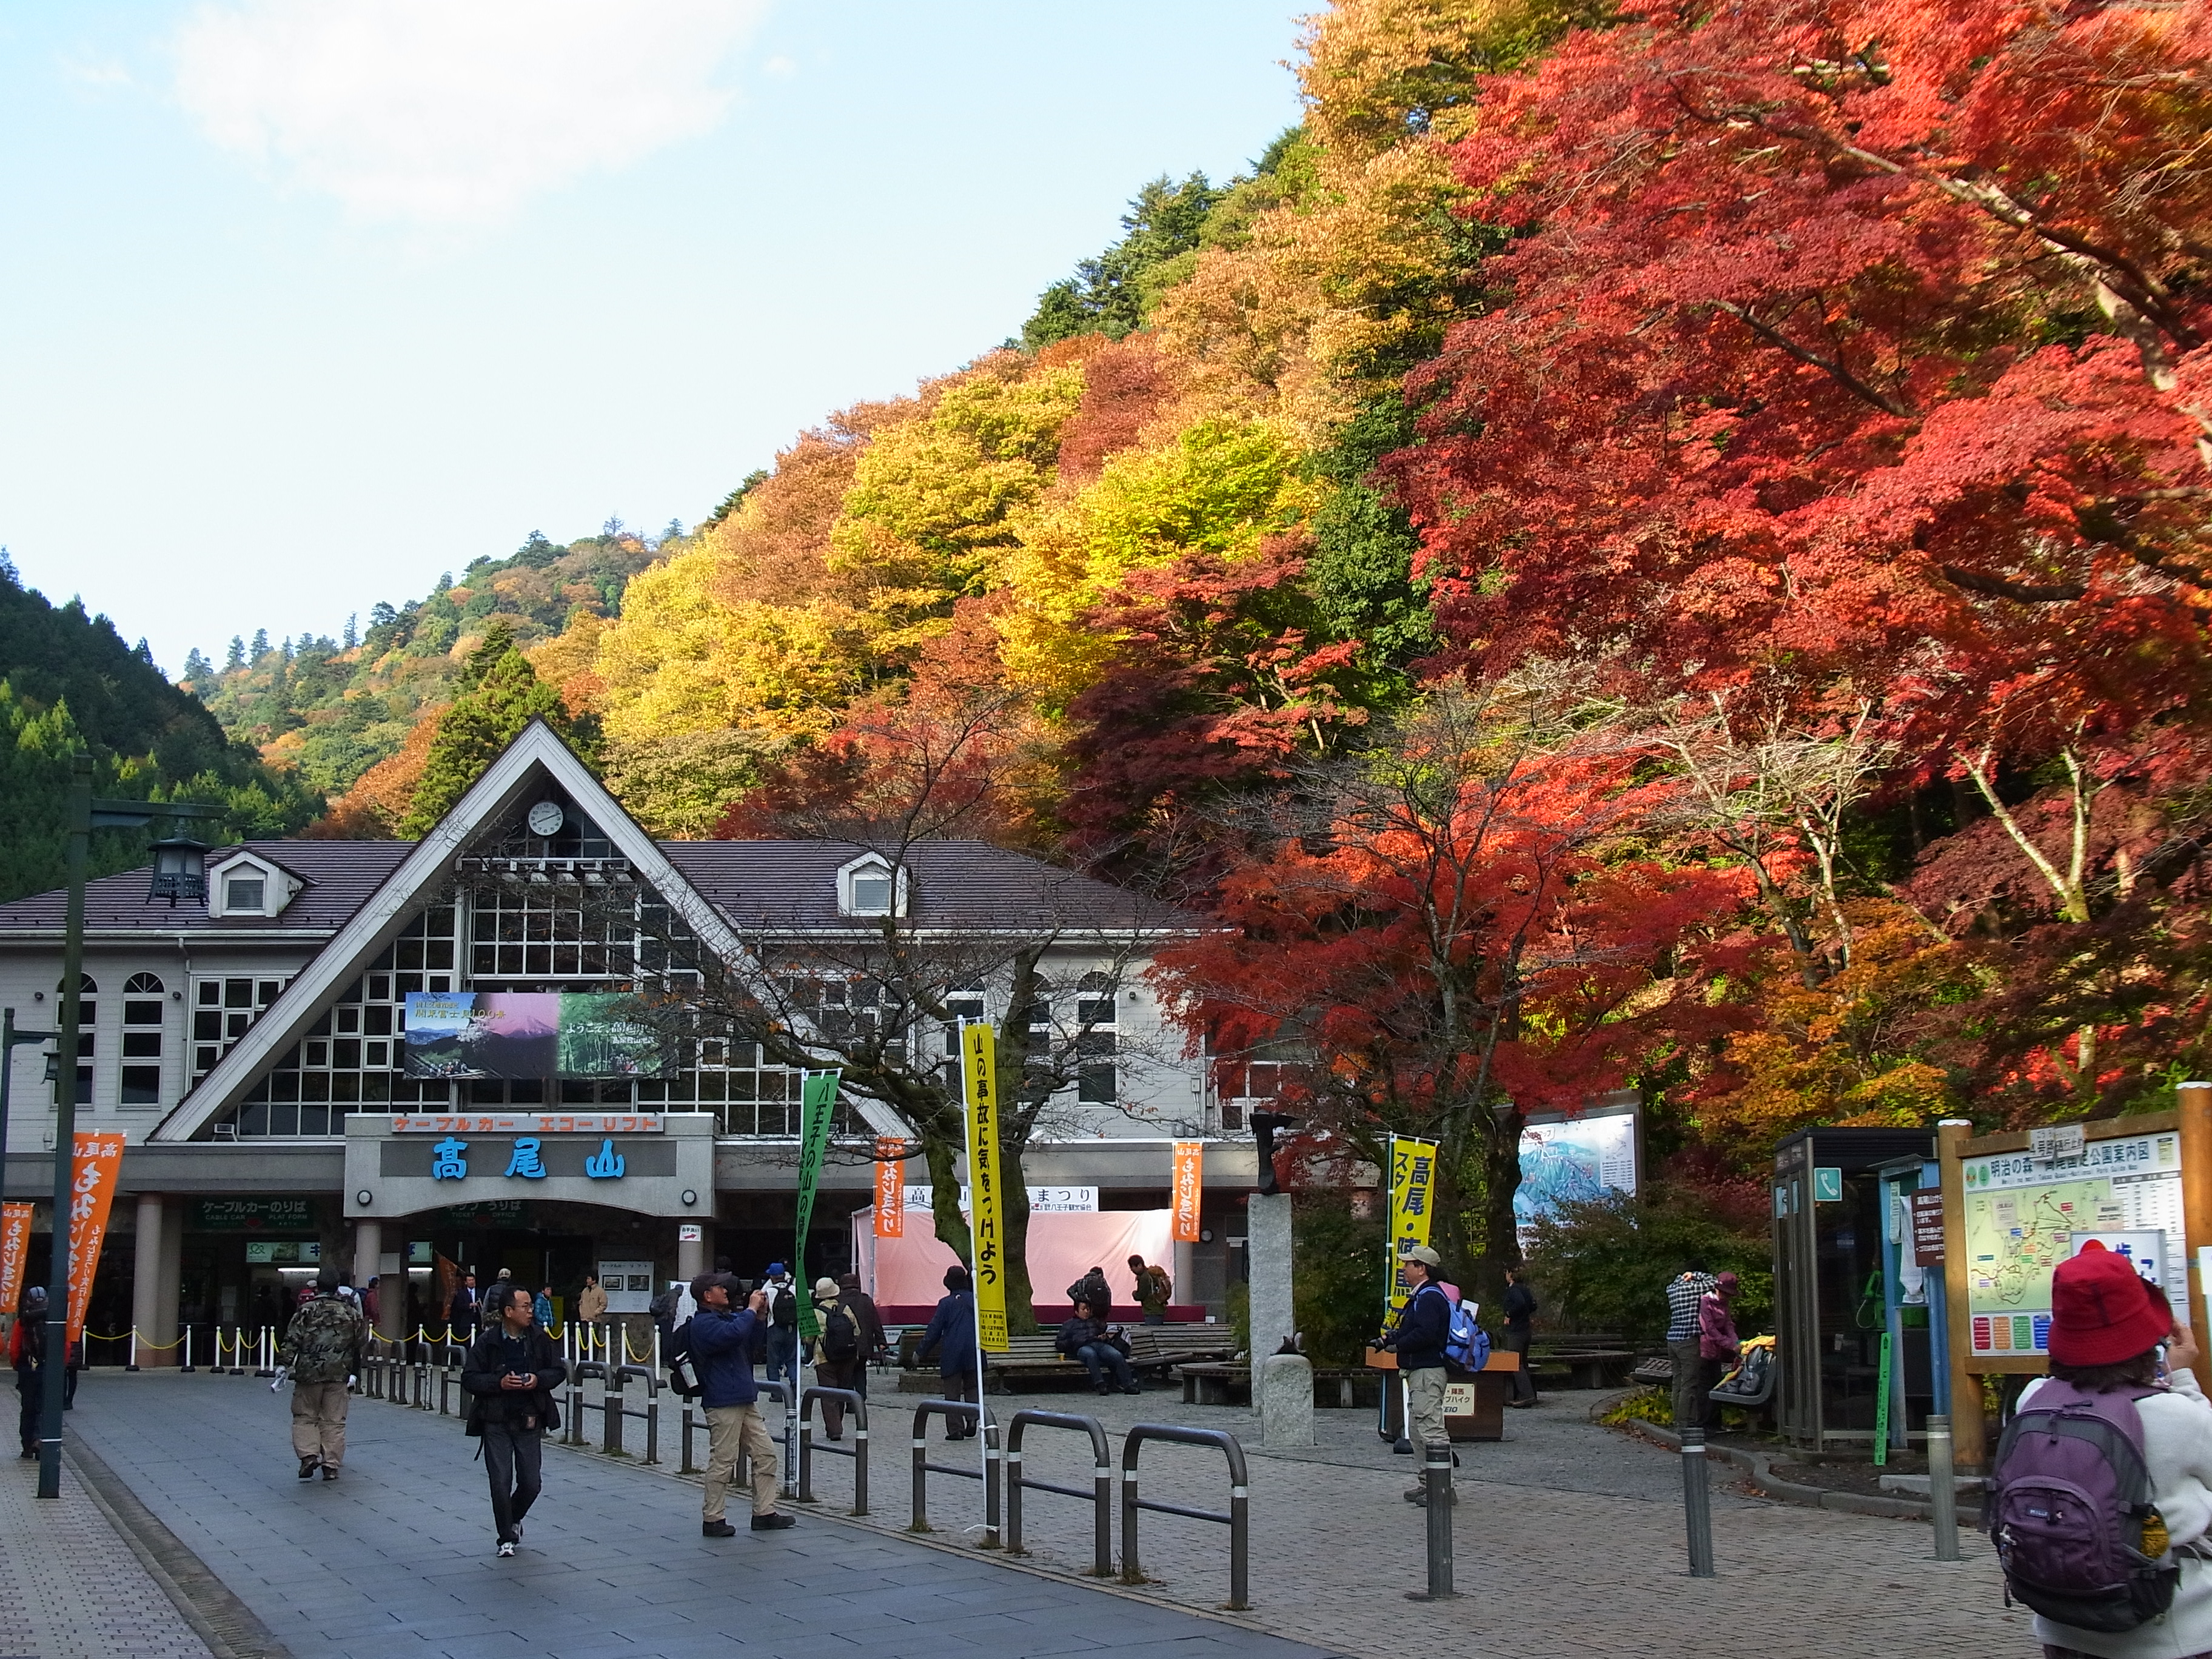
1436, 1480
1942, 1488
651, 1430
132, 1364
1697, 1504
688, 1466
188, 1347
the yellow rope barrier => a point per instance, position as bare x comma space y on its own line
630, 1353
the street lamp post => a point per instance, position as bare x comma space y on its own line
85, 815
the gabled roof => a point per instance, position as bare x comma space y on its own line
970, 884
528, 763
337, 876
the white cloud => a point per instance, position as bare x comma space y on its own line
453, 112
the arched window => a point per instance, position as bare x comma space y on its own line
144, 1015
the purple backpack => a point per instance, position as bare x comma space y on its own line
2069, 1510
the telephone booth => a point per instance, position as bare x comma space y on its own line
1840, 1248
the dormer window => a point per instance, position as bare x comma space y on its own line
871, 887
246, 885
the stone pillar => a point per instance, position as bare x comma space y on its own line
169, 1298
1267, 1250
690, 1252
1283, 1395
155, 1322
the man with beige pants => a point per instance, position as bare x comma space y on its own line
322, 1349
722, 1341
1418, 1339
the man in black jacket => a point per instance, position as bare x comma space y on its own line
1520, 1308
510, 1375
1418, 1339
1088, 1338
461, 1312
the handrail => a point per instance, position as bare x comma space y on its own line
858, 1451
1101, 1494
1237, 1520
965, 1410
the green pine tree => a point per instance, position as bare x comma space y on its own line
499, 694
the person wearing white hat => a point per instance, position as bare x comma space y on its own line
839, 1352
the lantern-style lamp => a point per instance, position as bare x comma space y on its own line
179, 869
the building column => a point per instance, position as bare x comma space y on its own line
690, 1251
153, 1269
1186, 1259
367, 1247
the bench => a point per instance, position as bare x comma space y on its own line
1577, 1366
1335, 1386
1156, 1348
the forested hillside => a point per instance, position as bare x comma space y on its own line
1664, 548
331, 709
68, 681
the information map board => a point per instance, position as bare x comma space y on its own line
2023, 1217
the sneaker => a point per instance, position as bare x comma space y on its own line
506, 1549
774, 1522
717, 1529
331, 1472
307, 1465
1133, 1389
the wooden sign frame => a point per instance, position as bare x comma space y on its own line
1955, 1142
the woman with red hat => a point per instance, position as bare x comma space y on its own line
2106, 1324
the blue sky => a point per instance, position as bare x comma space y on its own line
305, 302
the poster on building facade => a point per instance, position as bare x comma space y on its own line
503, 1034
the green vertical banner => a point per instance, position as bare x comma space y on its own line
818, 1104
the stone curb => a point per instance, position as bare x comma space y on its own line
1758, 1468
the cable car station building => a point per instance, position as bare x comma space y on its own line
251, 1047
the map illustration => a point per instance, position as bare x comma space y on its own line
2024, 1217
1569, 1161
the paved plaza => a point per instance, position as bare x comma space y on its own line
1570, 1543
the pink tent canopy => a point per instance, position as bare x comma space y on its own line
906, 1275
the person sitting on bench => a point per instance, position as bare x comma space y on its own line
1100, 1347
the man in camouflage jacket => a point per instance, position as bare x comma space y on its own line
322, 1349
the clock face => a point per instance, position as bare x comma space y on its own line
546, 818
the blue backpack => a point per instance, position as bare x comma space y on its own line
1466, 1345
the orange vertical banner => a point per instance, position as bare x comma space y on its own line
890, 1187
1189, 1186
15, 1245
92, 1191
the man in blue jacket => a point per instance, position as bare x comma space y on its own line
722, 1340
950, 1338
1424, 1325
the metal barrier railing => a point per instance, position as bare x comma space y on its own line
1237, 1520
614, 1410
858, 1451
1101, 1495
962, 1411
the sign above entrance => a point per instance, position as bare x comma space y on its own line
528, 1123
253, 1215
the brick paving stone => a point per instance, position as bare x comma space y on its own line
395, 1559
71, 1587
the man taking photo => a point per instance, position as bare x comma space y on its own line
720, 1339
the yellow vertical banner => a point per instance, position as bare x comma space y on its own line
1189, 1184
979, 1067
1413, 1182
